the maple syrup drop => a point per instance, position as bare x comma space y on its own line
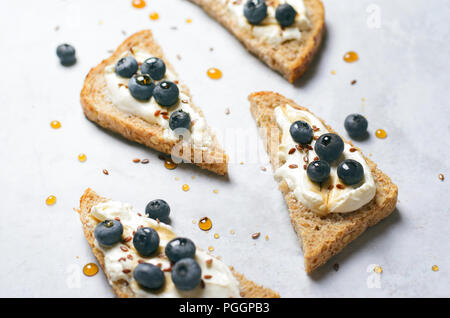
351, 57
205, 224
90, 269
82, 157
51, 199
138, 4
381, 133
55, 124
154, 16
169, 164
214, 73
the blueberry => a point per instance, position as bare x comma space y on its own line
329, 147
108, 232
149, 276
318, 171
350, 172
301, 132
285, 15
126, 66
356, 125
66, 54
158, 209
146, 241
166, 93
179, 248
186, 274
141, 86
179, 119
255, 11
154, 67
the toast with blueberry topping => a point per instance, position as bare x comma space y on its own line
133, 262
321, 235
137, 94
284, 34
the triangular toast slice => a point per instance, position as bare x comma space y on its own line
321, 237
100, 108
292, 57
122, 288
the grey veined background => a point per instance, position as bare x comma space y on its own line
402, 75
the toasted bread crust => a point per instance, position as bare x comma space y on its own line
291, 58
322, 237
99, 109
90, 198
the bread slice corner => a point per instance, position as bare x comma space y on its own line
291, 58
322, 237
248, 289
99, 109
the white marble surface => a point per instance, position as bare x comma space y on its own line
402, 73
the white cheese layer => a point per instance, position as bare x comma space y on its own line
318, 197
269, 30
221, 284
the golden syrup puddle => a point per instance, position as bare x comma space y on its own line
205, 224
351, 57
214, 73
90, 269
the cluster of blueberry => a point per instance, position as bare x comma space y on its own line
329, 148
256, 11
186, 273
143, 86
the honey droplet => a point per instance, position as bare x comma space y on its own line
333, 72
216, 235
378, 269
154, 16
138, 4
90, 269
51, 199
169, 164
232, 232
267, 237
435, 268
82, 157
351, 57
188, 20
216, 191
214, 73
185, 187
211, 248
55, 124
205, 224
381, 133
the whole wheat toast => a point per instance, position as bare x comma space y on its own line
90, 198
291, 58
99, 109
321, 237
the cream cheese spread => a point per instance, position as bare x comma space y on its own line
320, 198
119, 265
121, 97
269, 30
